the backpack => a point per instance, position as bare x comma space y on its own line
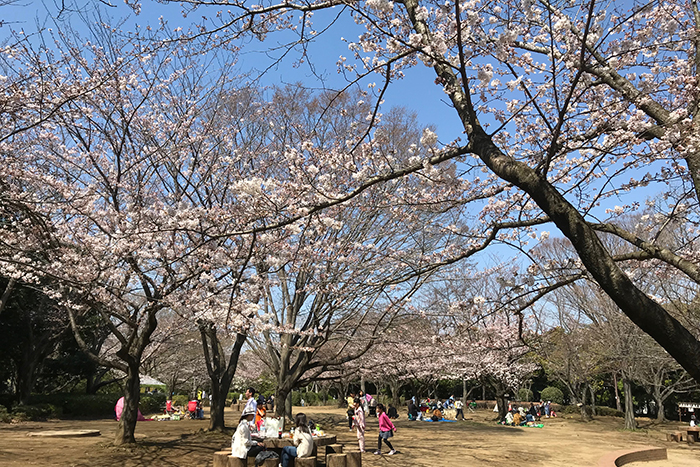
260, 458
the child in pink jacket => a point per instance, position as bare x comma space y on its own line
386, 430
359, 422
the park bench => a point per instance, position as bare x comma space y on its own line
693, 433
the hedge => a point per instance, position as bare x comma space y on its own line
180, 399
152, 403
525, 395
5, 417
80, 405
553, 394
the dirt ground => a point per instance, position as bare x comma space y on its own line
475, 442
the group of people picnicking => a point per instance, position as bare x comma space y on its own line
361, 406
427, 409
520, 416
251, 422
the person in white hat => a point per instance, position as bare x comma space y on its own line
242, 445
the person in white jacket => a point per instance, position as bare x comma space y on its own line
242, 445
303, 441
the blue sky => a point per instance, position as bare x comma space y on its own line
416, 92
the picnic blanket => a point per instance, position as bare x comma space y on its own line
441, 420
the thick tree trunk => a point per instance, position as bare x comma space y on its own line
6, 293
26, 376
660, 412
586, 411
592, 391
501, 400
630, 423
288, 408
132, 394
216, 409
220, 369
618, 404
281, 394
395, 393
342, 402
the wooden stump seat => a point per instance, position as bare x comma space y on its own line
354, 459
305, 461
221, 458
336, 460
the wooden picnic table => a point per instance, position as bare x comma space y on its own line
279, 443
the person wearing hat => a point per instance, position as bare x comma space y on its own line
242, 445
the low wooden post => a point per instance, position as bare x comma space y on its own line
354, 459
305, 461
234, 461
221, 458
336, 460
271, 462
334, 449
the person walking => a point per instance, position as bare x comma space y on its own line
459, 405
351, 409
359, 423
386, 431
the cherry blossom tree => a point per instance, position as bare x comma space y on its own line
568, 107
336, 280
131, 223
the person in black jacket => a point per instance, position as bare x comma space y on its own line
392, 413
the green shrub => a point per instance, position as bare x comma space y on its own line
152, 403
181, 400
553, 394
35, 412
7, 400
525, 395
609, 412
80, 405
570, 410
5, 416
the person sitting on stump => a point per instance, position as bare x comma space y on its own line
242, 445
303, 441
